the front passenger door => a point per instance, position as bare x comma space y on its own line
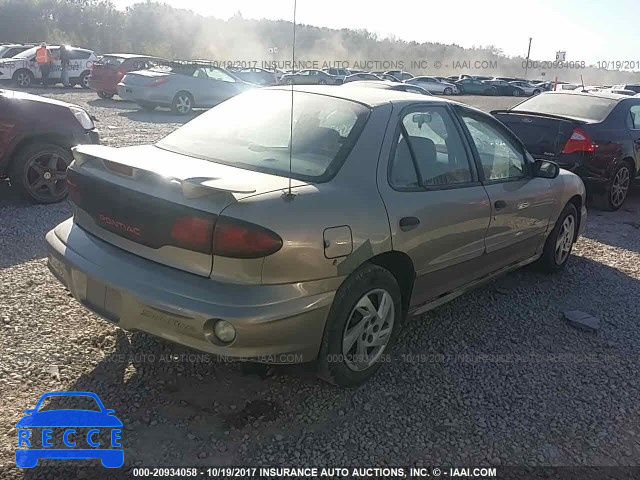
521, 205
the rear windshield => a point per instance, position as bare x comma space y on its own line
587, 107
253, 131
111, 60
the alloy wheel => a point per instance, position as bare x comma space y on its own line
46, 176
368, 330
565, 239
23, 79
620, 186
183, 105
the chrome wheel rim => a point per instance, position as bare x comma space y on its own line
565, 239
183, 105
46, 176
368, 330
23, 80
620, 187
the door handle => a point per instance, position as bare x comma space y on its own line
409, 223
500, 204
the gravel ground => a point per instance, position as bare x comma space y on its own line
495, 377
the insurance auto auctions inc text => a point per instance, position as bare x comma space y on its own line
368, 65
375, 472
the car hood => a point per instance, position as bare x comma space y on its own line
16, 95
69, 418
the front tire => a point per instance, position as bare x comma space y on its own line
448, 91
536, 92
516, 93
83, 81
39, 171
363, 324
557, 248
23, 78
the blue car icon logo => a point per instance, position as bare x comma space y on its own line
69, 433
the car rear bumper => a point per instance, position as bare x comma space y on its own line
274, 323
137, 93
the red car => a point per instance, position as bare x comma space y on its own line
108, 71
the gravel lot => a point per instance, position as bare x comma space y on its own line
495, 377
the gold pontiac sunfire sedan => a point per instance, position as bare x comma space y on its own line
397, 204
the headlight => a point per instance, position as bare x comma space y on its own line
83, 118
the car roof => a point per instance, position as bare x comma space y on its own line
372, 97
127, 55
600, 93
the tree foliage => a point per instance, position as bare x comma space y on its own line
158, 29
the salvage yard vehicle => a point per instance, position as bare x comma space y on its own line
505, 88
23, 70
258, 76
595, 135
35, 146
308, 77
271, 236
109, 70
9, 50
182, 86
433, 85
527, 88
473, 86
361, 76
386, 85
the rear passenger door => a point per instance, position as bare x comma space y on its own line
633, 125
438, 210
521, 205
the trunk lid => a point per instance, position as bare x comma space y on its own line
144, 77
157, 204
543, 135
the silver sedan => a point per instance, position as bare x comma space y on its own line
434, 85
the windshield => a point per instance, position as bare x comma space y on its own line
588, 107
253, 131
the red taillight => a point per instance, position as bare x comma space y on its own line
237, 239
579, 142
158, 81
74, 193
193, 233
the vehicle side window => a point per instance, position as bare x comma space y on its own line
501, 157
634, 113
433, 144
78, 54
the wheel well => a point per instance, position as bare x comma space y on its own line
59, 140
632, 164
577, 202
401, 267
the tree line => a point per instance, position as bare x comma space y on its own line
162, 30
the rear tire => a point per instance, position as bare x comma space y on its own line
617, 188
352, 326
105, 95
182, 103
557, 248
39, 172
83, 80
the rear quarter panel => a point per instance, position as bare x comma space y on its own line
351, 199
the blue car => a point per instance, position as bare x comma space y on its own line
104, 419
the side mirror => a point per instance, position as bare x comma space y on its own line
545, 169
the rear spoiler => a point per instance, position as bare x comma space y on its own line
192, 186
539, 114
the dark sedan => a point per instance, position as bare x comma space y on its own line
477, 87
308, 77
595, 135
505, 88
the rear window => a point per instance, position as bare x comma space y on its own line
111, 60
587, 107
253, 131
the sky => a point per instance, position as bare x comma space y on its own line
589, 30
